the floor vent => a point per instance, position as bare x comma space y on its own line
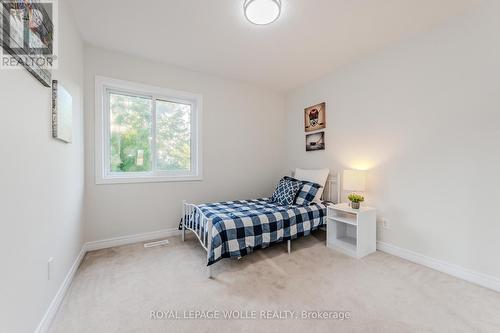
158, 243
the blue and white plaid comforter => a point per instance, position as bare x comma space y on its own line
241, 226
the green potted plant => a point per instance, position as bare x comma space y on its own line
355, 200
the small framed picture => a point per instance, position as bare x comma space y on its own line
315, 141
315, 117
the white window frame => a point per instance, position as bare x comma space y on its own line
103, 174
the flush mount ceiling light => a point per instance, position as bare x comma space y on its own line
262, 12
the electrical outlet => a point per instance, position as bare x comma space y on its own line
50, 262
385, 224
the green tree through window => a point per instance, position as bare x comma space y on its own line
131, 134
173, 135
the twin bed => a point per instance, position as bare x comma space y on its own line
236, 228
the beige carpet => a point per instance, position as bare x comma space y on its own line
116, 289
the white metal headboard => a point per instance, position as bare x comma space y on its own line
331, 192
332, 188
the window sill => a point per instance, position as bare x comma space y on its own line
146, 179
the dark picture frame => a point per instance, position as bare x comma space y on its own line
315, 141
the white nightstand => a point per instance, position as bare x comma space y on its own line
351, 231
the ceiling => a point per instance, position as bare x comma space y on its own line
311, 38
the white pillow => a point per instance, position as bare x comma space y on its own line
318, 176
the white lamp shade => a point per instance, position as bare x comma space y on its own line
354, 180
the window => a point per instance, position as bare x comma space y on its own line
146, 134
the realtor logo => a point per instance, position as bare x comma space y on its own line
27, 37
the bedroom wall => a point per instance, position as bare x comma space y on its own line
243, 140
423, 118
42, 186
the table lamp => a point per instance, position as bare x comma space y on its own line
354, 181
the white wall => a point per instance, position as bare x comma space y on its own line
41, 187
243, 140
424, 118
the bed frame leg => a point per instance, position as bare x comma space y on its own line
209, 271
289, 246
183, 220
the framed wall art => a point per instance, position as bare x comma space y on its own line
315, 141
315, 117
27, 37
62, 113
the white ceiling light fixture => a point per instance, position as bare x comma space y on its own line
262, 12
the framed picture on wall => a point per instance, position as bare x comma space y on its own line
315, 117
315, 141
62, 113
27, 35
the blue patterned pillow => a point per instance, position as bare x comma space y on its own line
307, 192
286, 191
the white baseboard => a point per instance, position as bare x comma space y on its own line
57, 300
92, 246
124, 240
481, 279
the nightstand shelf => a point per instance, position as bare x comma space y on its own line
351, 231
347, 220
